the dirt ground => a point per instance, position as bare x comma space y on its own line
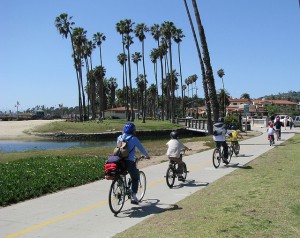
19, 130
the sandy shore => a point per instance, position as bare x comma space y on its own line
19, 130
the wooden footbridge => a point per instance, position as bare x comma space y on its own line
198, 125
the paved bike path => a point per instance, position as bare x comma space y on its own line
84, 212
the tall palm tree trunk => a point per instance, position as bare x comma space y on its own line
145, 85
204, 82
206, 59
130, 87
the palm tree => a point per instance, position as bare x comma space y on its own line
139, 31
156, 33
99, 73
206, 59
168, 30
221, 75
98, 38
128, 41
152, 97
203, 70
87, 54
112, 86
122, 58
79, 37
178, 38
121, 28
223, 99
64, 24
136, 57
140, 82
154, 55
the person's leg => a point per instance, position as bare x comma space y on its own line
135, 176
180, 164
225, 148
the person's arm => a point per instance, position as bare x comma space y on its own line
141, 148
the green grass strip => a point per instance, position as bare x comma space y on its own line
33, 177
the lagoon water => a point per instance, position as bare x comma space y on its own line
19, 146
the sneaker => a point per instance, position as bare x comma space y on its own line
180, 178
225, 161
134, 202
134, 199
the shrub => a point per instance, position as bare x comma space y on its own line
33, 177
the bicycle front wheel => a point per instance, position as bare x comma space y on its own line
230, 153
170, 177
116, 195
217, 158
142, 186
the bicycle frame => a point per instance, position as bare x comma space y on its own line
121, 188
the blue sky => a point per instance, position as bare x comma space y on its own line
256, 42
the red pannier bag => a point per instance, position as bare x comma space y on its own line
113, 166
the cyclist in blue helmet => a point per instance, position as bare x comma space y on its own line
129, 130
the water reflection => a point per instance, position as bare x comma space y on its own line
19, 146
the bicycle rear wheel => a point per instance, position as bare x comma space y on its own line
216, 158
236, 149
142, 186
170, 177
116, 195
230, 150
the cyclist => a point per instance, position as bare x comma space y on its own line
174, 148
129, 130
271, 133
219, 132
235, 135
277, 126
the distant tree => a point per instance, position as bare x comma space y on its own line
139, 31
178, 38
64, 25
245, 96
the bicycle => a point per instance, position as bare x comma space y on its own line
172, 172
234, 147
218, 155
271, 140
121, 188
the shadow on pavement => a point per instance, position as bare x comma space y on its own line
240, 166
148, 207
242, 155
191, 183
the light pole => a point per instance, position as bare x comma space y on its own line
221, 74
17, 106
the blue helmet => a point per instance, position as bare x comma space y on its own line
233, 127
129, 127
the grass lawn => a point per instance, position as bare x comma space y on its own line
262, 201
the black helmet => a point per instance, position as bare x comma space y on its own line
221, 119
174, 135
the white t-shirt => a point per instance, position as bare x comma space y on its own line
271, 131
174, 148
